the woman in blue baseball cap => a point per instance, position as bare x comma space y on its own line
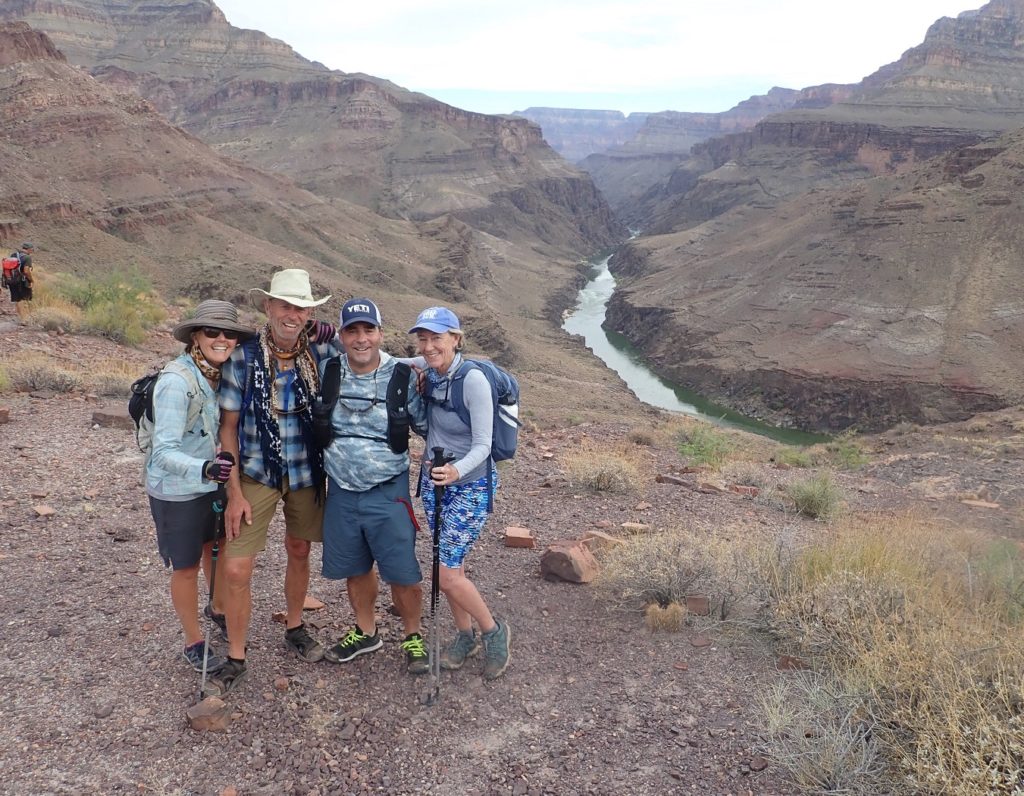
463, 509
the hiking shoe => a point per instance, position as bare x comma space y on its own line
194, 655
496, 650
302, 644
464, 645
355, 643
417, 661
218, 619
230, 675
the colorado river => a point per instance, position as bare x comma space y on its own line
619, 355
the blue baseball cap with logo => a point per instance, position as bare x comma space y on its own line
358, 310
437, 319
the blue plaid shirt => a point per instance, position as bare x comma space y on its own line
293, 450
175, 466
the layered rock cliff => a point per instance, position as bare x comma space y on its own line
575, 133
339, 135
626, 172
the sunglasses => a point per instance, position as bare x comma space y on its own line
213, 334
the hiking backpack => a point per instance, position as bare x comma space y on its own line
140, 405
14, 274
505, 398
397, 403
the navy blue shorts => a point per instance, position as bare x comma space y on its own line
183, 527
375, 525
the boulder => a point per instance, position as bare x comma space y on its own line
113, 418
212, 714
569, 560
516, 536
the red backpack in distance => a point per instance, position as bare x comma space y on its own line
13, 272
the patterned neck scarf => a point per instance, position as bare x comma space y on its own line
211, 372
305, 385
436, 380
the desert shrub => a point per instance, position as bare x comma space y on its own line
663, 568
817, 496
39, 372
920, 628
845, 452
5, 379
54, 317
113, 377
641, 436
594, 470
121, 306
746, 474
702, 443
794, 457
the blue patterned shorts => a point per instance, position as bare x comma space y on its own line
463, 514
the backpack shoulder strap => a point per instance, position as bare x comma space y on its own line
330, 385
398, 408
196, 399
456, 397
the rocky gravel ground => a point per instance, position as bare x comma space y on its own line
95, 689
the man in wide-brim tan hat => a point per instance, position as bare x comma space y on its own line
268, 386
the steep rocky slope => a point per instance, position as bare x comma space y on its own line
339, 135
101, 182
897, 298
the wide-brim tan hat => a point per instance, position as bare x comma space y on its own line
291, 285
216, 314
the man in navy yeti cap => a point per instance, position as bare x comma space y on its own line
369, 517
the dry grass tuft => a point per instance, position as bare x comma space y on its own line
35, 371
667, 619
616, 470
114, 377
704, 444
641, 436
818, 497
919, 628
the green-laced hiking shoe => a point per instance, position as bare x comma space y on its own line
417, 661
496, 650
355, 643
466, 644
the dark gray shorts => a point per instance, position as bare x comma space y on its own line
182, 528
375, 525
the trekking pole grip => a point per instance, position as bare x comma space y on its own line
439, 458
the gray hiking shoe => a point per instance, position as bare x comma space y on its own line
354, 644
496, 650
464, 645
304, 645
230, 675
194, 656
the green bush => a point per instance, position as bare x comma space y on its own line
702, 444
794, 457
120, 305
817, 496
844, 451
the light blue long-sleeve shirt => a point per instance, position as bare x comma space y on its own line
175, 467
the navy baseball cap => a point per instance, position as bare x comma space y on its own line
437, 319
359, 310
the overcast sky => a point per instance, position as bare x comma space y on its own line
637, 55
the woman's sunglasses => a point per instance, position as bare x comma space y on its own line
213, 334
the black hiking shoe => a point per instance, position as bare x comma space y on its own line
224, 681
417, 661
218, 619
355, 643
304, 645
194, 655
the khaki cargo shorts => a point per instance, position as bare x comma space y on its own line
303, 516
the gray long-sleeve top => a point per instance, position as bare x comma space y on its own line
471, 446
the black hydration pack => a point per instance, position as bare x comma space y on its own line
397, 406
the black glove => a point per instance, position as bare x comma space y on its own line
320, 332
219, 469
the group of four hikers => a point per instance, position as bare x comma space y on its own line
254, 435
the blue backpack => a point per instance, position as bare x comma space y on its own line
505, 397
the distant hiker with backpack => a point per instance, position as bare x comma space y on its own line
372, 403
17, 277
266, 422
183, 466
468, 481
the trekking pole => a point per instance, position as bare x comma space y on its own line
440, 460
219, 506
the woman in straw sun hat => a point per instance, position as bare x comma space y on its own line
184, 468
